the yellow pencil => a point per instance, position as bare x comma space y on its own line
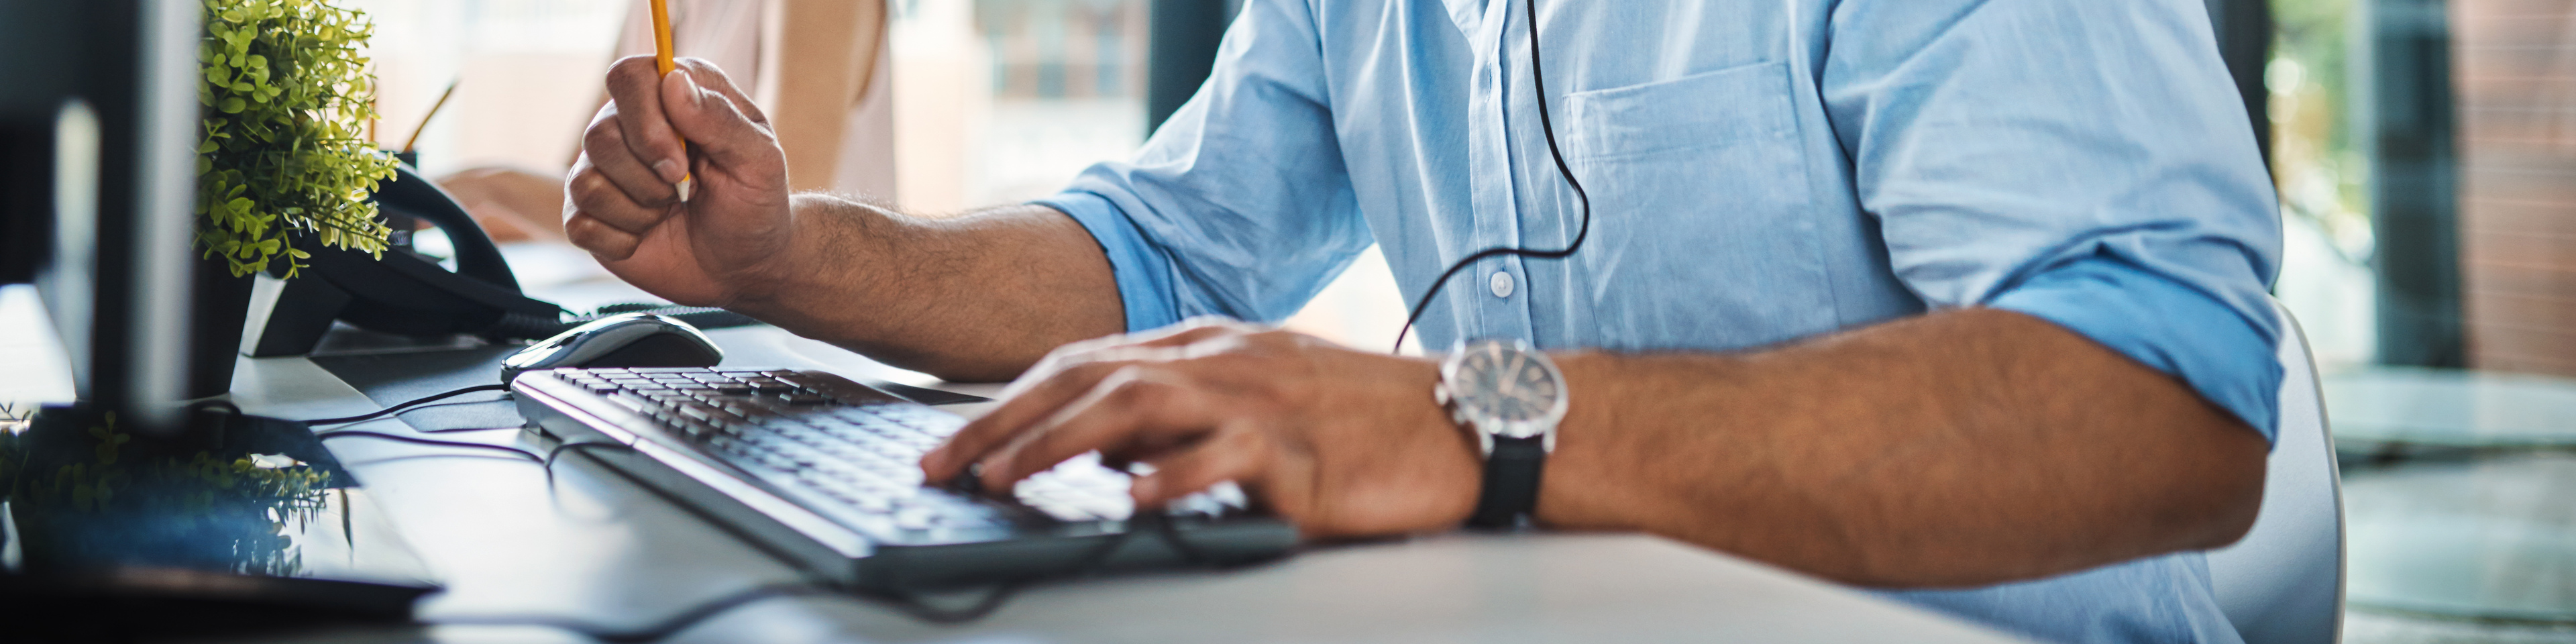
662, 61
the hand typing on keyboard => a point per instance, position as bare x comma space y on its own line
852, 446
1342, 442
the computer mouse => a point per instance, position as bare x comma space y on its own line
625, 340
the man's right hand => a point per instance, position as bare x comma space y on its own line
623, 205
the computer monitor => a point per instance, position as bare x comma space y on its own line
98, 120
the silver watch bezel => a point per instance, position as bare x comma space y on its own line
1486, 429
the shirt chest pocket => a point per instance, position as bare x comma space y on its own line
1703, 213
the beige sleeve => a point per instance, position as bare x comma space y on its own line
813, 65
827, 53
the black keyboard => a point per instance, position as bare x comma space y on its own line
825, 471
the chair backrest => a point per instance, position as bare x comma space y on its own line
2283, 583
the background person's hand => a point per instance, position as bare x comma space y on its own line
623, 204
1341, 442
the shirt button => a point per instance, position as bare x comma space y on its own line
1502, 284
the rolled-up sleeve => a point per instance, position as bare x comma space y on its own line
1239, 205
2084, 162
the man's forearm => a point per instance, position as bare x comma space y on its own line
1958, 448
971, 298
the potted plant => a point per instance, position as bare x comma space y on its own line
284, 162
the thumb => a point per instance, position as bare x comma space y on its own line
720, 131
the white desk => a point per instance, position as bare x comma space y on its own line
603, 550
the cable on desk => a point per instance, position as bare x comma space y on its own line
545, 460
1160, 525
406, 405
1092, 562
459, 430
992, 600
654, 632
909, 604
540, 459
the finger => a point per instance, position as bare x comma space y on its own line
711, 77
1231, 455
635, 87
1191, 331
604, 147
1066, 373
1144, 345
723, 133
590, 192
1056, 381
1016, 413
1138, 404
602, 240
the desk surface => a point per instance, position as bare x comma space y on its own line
598, 549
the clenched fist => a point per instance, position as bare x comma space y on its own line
730, 234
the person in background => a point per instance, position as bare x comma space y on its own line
1960, 299
834, 113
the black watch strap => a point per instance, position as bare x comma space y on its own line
1511, 483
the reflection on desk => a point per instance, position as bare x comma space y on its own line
247, 526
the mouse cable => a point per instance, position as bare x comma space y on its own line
406, 405
540, 459
1547, 127
546, 459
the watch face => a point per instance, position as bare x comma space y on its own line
1496, 383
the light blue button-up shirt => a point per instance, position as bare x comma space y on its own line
1760, 171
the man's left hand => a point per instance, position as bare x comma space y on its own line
1341, 442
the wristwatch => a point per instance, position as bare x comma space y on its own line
1511, 397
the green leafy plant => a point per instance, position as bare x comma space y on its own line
283, 160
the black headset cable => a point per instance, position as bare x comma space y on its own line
1547, 127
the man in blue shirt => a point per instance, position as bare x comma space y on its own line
1959, 298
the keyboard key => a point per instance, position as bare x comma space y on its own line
873, 504
865, 458
695, 410
638, 403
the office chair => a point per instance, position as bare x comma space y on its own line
2283, 583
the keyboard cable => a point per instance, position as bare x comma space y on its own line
910, 604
